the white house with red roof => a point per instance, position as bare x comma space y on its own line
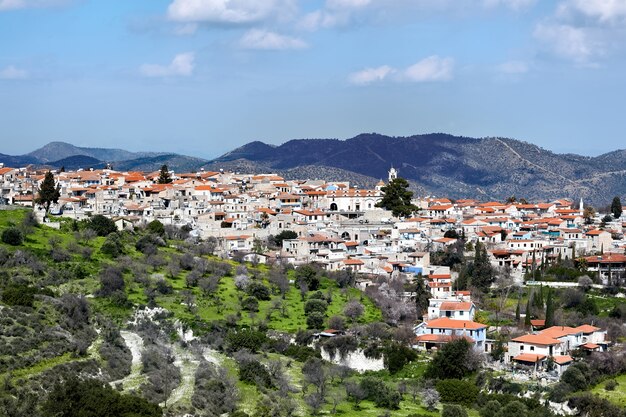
434, 333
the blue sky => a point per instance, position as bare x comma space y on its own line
201, 77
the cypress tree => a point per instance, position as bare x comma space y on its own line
616, 207
517, 310
549, 309
527, 318
49, 192
164, 176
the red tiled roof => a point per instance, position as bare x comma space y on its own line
447, 323
529, 357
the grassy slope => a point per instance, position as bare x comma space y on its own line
617, 396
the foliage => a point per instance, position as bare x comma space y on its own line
12, 236
457, 391
48, 192
102, 225
452, 361
396, 356
397, 198
277, 240
422, 296
259, 291
164, 176
156, 227
245, 339
549, 309
307, 275
253, 372
76, 398
19, 295
315, 306
453, 410
616, 207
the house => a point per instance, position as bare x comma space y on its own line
434, 333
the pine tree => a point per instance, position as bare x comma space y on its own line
164, 176
616, 207
422, 296
397, 198
549, 309
49, 192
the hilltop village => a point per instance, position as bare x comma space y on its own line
502, 303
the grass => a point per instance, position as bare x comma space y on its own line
617, 396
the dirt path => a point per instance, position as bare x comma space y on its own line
132, 381
187, 363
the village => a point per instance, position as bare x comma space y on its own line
339, 227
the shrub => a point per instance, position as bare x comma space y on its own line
610, 385
245, 339
452, 361
396, 356
102, 225
259, 291
315, 320
253, 372
315, 306
112, 246
156, 227
250, 304
12, 236
452, 410
457, 391
19, 295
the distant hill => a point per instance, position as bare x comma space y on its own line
435, 164
76, 162
55, 151
60, 154
17, 161
441, 164
177, 163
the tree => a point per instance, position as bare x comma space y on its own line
285, 234
164, 176
616, 207
397, 198
430, 398
76, 398
589, 214
49, 192
422, 296
452, 361
549, 309
353, 310
102, 225
12, 236
453, 410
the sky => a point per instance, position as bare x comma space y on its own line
201, 77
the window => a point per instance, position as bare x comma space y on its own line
521, 347
532, 348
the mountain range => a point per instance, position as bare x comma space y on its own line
435, 164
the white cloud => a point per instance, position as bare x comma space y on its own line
25, 4
263, 39
186, 29
13, 73
370, 75
433, 68
513, 67
601, 10
511, 4
181, 65
574, 43
229, 11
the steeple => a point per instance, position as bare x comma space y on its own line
581, 207
393, 174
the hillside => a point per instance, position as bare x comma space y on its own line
441, 164
55, 151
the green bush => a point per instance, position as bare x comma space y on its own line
12, 236
253, 372
457, 391
19, 295
259, 291
610, 385
453, 410
102, 225
315, 306
315, 320
245, 339
156, 227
